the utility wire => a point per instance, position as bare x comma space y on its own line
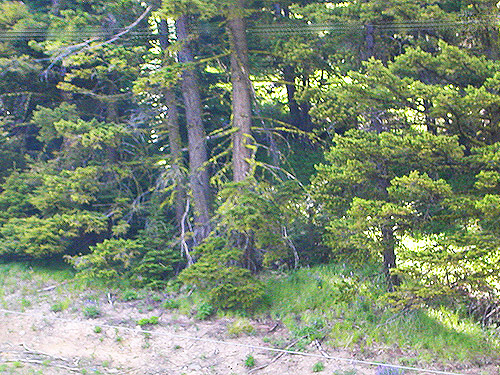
279, 28
255, 347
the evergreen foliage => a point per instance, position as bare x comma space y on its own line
122, 123
219, 273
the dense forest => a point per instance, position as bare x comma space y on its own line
207, 142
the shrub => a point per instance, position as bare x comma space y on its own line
240, 326
109, 260
39, 238
228, 285
204, 311
57, 307
129, 295
161, 259
171, 304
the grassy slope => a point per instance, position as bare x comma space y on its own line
346, 308
334, 303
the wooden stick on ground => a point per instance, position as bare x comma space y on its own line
276, 357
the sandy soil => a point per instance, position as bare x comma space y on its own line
40, 341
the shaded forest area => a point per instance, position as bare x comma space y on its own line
204, 143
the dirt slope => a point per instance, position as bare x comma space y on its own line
37, 340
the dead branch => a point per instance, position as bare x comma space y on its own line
184, 246
52, 287
292, 246
43, 363
276, 357
320, 348
86, 45
35, 352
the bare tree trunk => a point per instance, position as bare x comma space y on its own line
198, 159
174, 134
241, 96
175, 144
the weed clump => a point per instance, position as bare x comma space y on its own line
249, 361
318, 367
148, 321
91, 311
129, 295
171, 304
56, 307
204, 311
240, 327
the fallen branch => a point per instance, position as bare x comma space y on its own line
42, 363
320, 348
276, 357
35, 352
49, 288
274, 327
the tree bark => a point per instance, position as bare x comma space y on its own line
289, 77
198, 178
175, 144
241, 95
369, 42
174, 134
389, 257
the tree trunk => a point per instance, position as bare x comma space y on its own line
389, 257
369, 42
174, 134
295, 114
388, 239
56, 7
199, 179
241, 96
175, 144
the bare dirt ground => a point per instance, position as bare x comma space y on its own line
40, 341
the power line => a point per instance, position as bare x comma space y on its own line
255, 347
278, 28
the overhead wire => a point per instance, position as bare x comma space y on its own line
278, 28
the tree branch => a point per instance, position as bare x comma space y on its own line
86, 45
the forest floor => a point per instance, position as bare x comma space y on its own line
52, 332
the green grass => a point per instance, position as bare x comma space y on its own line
344, 306
22, 284
334, 303
52, 269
